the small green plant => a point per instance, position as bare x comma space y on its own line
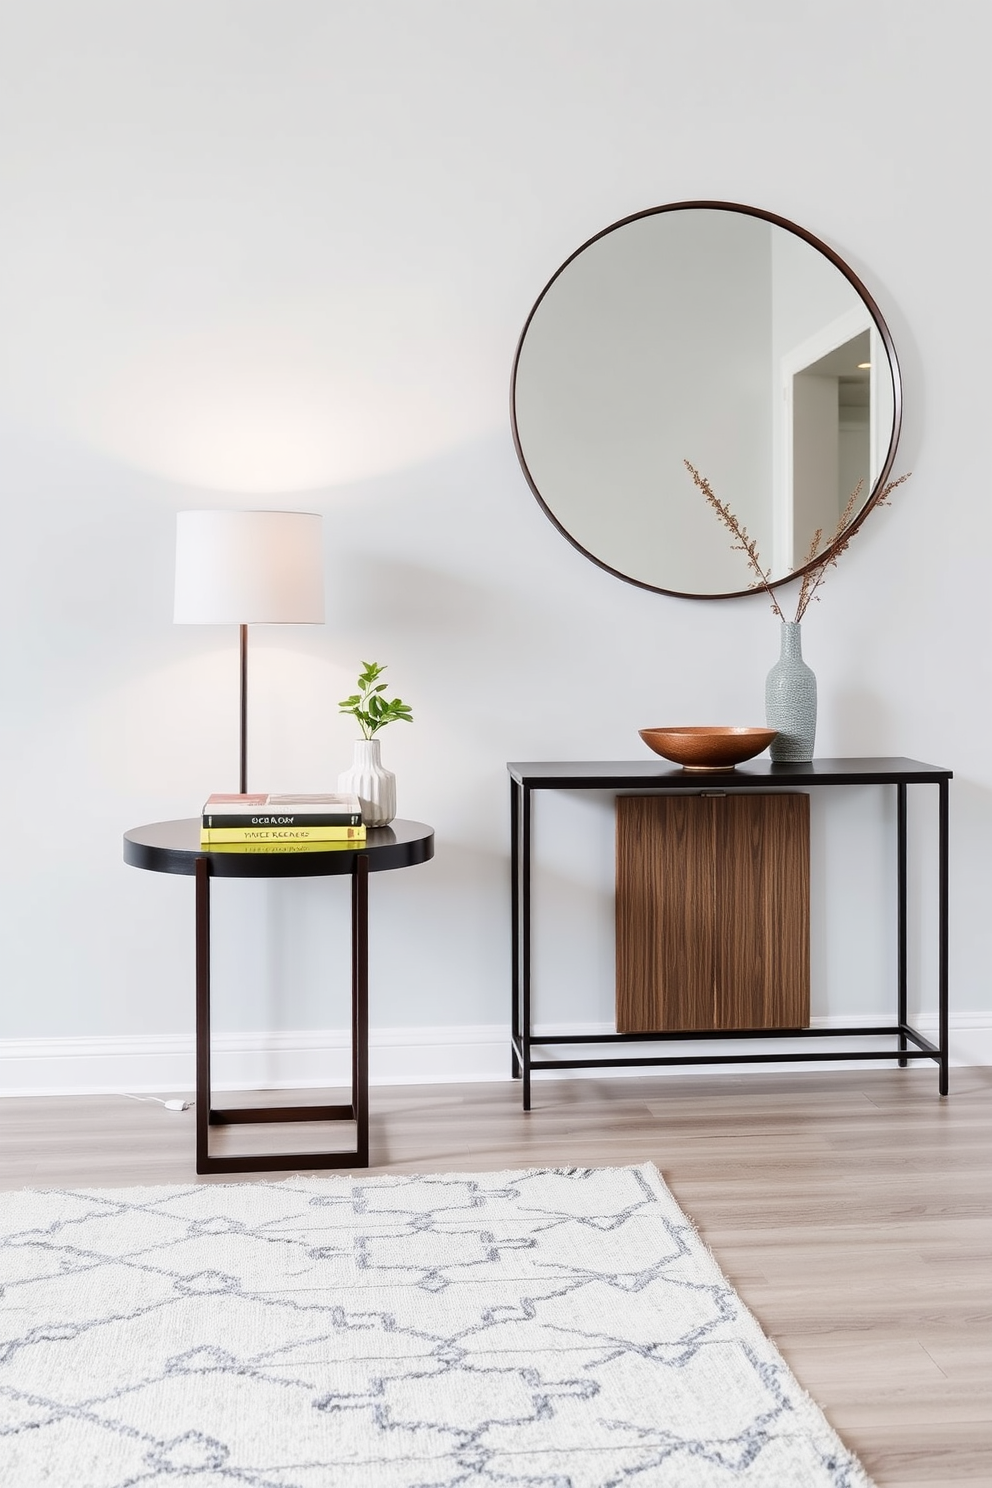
369, 706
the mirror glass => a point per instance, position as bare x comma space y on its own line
717, 334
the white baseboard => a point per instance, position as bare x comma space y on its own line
397, 1056
305, 1059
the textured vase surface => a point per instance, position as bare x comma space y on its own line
790, 700
374, 786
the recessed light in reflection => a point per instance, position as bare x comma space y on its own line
864, 366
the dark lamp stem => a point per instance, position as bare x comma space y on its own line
243, 786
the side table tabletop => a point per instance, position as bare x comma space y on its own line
174, 847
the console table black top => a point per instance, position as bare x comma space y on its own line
654, 773
174, 846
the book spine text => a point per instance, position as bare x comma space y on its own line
211, 835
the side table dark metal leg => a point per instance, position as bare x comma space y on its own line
360, 1006
203, 1096
357, 1110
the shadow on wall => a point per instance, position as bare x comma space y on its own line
970, 835
434, 603
457, 552
461, 902
861, 718
439, 948
438, 954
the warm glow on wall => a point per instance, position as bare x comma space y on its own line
255, 408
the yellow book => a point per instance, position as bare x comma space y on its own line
209, 836
281, 847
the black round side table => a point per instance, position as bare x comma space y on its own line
174, 847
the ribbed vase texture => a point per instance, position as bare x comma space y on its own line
374, 786
790, 700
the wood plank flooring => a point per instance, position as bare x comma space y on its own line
851, 1210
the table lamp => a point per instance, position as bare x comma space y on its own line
245, 568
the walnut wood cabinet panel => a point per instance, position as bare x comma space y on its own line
712, 912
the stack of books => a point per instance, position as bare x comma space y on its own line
282, 824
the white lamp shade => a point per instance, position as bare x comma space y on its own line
249, 567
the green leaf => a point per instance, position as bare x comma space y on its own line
372, 710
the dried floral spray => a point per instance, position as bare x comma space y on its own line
816, 572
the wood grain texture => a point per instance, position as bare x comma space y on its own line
712, 912
665, 913
852, 1210
762, 907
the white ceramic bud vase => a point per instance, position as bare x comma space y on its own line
374, 786
790, 700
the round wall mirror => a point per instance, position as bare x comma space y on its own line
720, 335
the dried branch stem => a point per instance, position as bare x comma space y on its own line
743, 543
816, 572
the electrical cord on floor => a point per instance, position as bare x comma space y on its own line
170, 1105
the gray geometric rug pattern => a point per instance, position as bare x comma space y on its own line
562, 1328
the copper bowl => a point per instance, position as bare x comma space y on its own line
707, 748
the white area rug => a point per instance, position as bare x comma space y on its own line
562, 1328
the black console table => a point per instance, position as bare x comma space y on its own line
174, 847
656, 777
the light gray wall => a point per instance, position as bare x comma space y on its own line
278, 252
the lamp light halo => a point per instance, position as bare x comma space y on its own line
249, 567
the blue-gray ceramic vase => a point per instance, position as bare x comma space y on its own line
790, 699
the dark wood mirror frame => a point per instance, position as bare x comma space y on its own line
864, 296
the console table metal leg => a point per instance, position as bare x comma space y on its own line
525, 889
902, 858
514, 927
942, 952
202, 1014
360, 1006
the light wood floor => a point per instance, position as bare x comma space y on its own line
852, 1211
